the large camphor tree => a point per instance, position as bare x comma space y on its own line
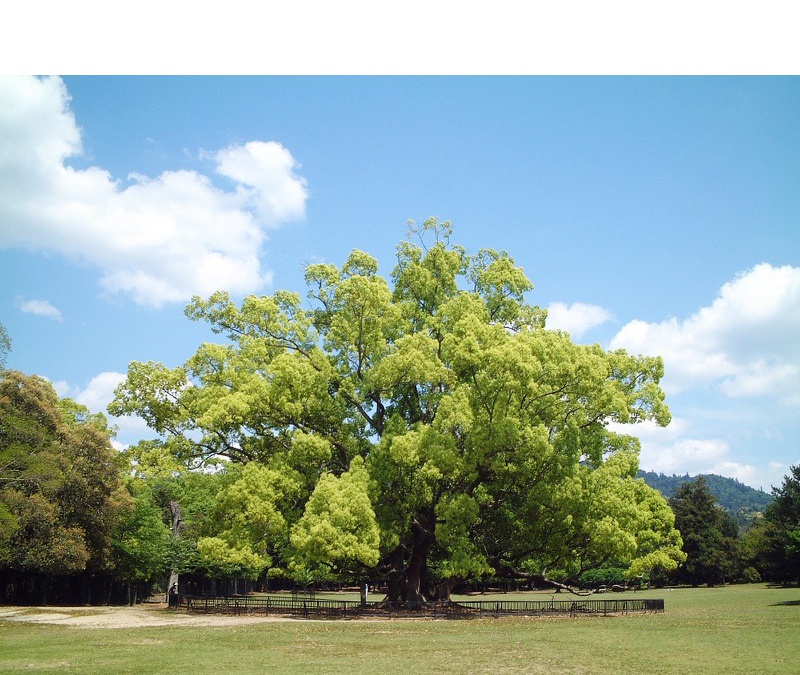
421, 432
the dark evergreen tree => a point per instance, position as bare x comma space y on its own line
774, 546
709, 536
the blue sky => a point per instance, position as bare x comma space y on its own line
657, 214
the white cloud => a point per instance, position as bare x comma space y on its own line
119, 447
62, 388
732, 373
744, 473
40, 308
672, 449
691, 454
682, 448
576, 318
761, 378
266, 168
158, 239
99, 393
746, 343
668, 450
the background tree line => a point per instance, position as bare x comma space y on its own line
718, 550
744, 503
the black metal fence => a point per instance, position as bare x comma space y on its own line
265, 605
562, 607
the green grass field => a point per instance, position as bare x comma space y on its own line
736, 629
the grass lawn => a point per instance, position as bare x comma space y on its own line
737, 629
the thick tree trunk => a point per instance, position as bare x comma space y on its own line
396, 575
412, 587
408, 582
443, 589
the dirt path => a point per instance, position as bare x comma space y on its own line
122, 617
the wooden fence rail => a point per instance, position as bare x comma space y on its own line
314, 607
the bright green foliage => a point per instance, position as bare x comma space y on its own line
186, 500
142, 542
608, 575
483, 434
60, 494
616, 517
155, 461
601, 516
338, 531
221, 559
249, 520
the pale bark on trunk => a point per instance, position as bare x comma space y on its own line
177, 526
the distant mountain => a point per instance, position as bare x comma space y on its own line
732, 495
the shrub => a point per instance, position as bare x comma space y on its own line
603, 576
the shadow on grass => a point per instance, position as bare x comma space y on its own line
787, 603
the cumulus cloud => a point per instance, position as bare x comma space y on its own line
40, 308
744, 473
673, 449
684, 447
746, 343
100, 391
576, 318
157, 239
98, 394
62, 388
691, 455
265, 174
705, 456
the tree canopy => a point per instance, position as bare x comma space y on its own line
774, 544
709, 536
60, 492
5, 345
422, 430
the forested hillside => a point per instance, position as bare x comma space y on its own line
729, 492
